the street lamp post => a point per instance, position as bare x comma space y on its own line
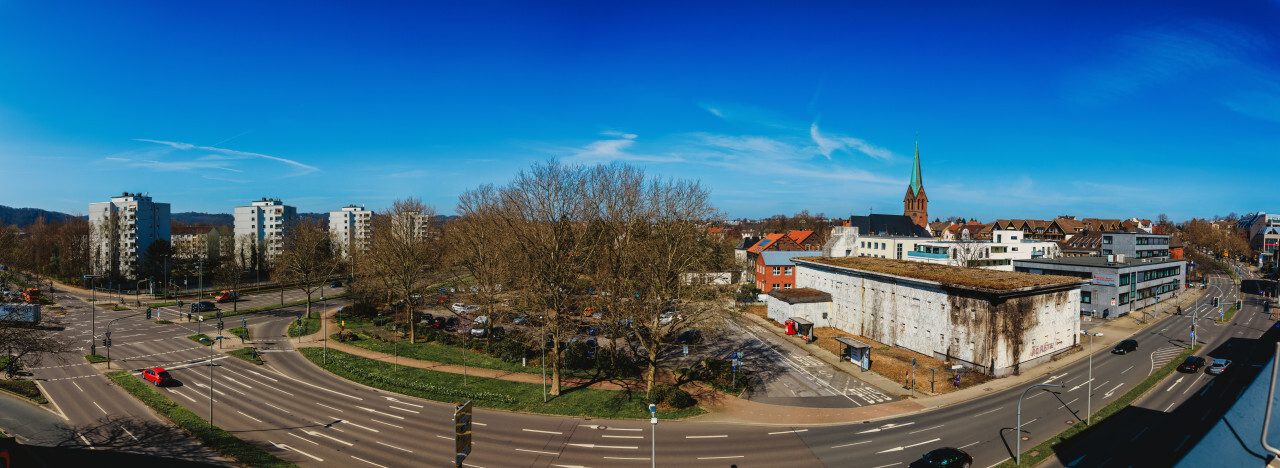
93, 315
1017, 430
210, 379
653, 448
200, 295
1088, 412
166, 277
325, 324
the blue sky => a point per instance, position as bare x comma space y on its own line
1023, 109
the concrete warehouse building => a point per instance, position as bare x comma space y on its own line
995, 322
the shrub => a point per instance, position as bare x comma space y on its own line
512, 348
680, 399
660, 393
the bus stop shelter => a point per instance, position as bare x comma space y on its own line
858, 352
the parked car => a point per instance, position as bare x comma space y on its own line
944, 457
451, 323
481, 332
157, 376
1192, 364
1218, 366
336, 284
1125, 346
437, 323
689, 337
592, 347
666, 318
457, 307
521, 320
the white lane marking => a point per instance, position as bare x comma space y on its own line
282, 410
987, 412
925, 429
403, 409
286, 447
198, 384
1175, 383
86, 441
367, 461
237, 382
327, 436
1206, 388
354, 424
479, 424
99, 407
1193, 383
625, 437
970, 445
623, 429
899, 463
901, 448
330, 407
371, 410
1179, 447
1028, 422
705, 436
1064, 405
193, 400
623, 458
886, 426
543, 432
789, 432
126, 431
77, 386
605, 446
303, 438
1126, 370
721, 458
539, 451
1167, 408
855, 443
247, 416
387, 423
325, 389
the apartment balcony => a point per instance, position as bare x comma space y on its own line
927, 255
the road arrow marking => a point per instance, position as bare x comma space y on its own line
402, 402
1077, 387
1175, 384
371, 410
1076, 461
1113, 390
899, 449
604, 446
1051, 379
286, 447
886, 426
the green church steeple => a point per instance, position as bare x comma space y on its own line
916, 181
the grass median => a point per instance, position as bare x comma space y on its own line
212, 436
24, 388
490, 393
1079, 430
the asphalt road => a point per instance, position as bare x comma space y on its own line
311, 417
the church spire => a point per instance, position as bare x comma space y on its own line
916, 182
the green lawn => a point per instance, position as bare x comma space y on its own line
24, 388
446, 354
212, 436
490, 393
95, 358
202, 339
246, 354
309, 326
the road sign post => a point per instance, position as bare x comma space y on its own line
461, 432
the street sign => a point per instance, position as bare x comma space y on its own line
462, 432
686, 350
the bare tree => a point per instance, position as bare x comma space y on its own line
307, 258
405, 252
232, 266
476, 245
28, 342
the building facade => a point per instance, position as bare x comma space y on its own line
351, 229
1117, 285
264, 223
123, 229
1136, 245
998, 253
775, 270
993, 321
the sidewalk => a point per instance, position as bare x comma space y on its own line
729, 409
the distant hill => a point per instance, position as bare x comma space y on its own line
204, 219
25, 216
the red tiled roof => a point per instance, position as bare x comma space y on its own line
799, 236
765, 243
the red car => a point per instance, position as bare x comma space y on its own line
157, 375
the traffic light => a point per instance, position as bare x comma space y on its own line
1238, 303
1215, 301
193, 306
148, 313
219, 324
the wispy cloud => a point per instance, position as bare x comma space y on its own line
221, 159
831, 143
604, 151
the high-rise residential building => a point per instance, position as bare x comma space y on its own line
265, 223
123, 229
351, 228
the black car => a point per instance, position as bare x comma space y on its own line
203, 306
689, 337
946, 456
336, 284
1125, 346
451, 323
1192, 364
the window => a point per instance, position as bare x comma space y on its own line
1106, 239
786, 286
788, 273
777, 271
1086, 297
776, 285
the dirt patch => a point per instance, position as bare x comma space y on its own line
895, 363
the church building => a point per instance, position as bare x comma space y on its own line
916, 204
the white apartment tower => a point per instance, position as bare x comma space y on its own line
351, 229
123, 229
265, 221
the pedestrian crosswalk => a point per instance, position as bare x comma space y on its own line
1162, 356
